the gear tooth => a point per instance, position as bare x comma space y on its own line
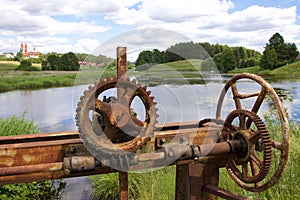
81, 98
85, 92
133, 81
91, 87
148, 92
108, 78
152, 98
95, 84
144, 87
101, 81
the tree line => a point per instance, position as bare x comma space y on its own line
224, 57
66, 62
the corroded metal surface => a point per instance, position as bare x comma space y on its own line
213, 189
280, 143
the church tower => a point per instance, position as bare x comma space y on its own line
22, 47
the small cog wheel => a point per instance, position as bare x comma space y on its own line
253, 164
109, 127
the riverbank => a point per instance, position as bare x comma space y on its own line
25, 80
288, 72
29, 80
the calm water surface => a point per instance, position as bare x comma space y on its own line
53, 109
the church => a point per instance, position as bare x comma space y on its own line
28, 54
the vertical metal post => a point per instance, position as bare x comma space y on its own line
191, 180
121, 72
123, 185
199, 176
182, 182
121, 61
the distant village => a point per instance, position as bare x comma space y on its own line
26, 52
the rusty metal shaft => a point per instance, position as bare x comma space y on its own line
185, 152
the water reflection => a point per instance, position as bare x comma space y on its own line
54, 109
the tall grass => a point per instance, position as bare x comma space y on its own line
17, 125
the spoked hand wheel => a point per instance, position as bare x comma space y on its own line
279, 138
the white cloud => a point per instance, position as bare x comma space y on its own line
72, 24
211, 21
17, 19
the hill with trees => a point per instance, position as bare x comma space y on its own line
225, 58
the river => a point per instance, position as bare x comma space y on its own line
53, 110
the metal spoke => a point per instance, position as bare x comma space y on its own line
236, 96
256, 160
245, 171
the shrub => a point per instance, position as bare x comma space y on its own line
26, 65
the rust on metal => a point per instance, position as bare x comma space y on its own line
121, 62
215, 190
123, 185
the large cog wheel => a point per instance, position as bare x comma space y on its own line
109, 127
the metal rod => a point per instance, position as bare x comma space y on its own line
26, 169
220, 192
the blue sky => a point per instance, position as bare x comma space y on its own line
81, 26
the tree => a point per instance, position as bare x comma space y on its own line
269, 59
292, 51
145, 57
52, 62
26, 65
278, 53
226, 61
69, 62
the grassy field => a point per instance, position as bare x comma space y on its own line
288, 72
15, 80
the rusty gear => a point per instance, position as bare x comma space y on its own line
279, 140
110, 129
258, 146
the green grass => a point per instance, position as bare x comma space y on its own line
254, 70
17, 125
24, 80
286, 72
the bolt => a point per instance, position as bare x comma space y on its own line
67, 171
72, 149
171, 154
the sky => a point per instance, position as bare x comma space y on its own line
82, 26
